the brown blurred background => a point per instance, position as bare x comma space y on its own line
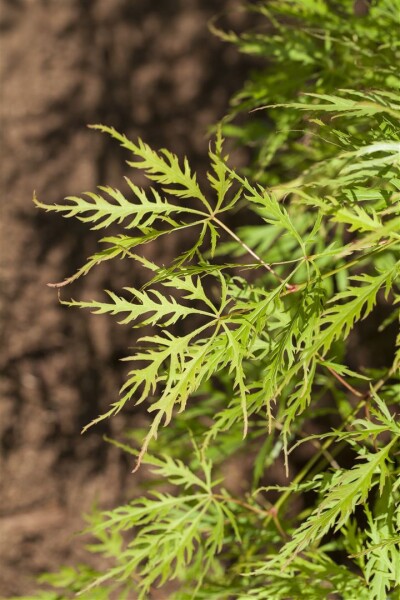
150, 69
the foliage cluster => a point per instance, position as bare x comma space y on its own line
248, 333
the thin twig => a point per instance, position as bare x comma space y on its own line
288, 286
272, 513
342, 380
